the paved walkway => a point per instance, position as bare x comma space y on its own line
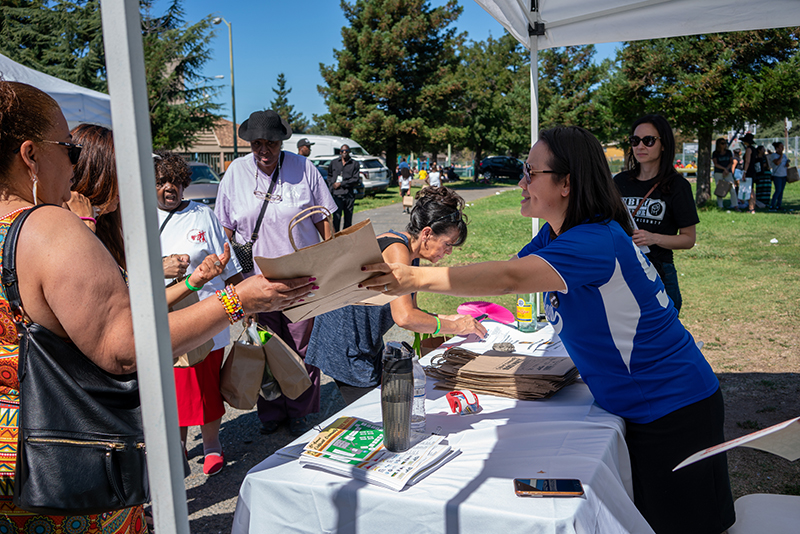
212, 500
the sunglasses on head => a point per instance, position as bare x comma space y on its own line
450, 217
73, 150
528, 172
648, 140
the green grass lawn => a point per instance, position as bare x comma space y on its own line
733, 269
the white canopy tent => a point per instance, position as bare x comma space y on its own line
78, 103
561, 22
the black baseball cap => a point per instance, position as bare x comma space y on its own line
304, 142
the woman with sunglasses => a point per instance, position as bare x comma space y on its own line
347, 344
659, 199
609, 308
70, 284
261, 193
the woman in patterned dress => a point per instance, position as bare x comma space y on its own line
71, 285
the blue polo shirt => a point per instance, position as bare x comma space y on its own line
618, 324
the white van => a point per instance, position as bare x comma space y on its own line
324, 145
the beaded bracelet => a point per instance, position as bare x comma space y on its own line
230, 301
190, 286
438, 325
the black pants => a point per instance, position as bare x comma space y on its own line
345, 203
695, 499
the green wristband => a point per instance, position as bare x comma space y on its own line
438, 325
190, 286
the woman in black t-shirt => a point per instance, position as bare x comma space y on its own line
659, 198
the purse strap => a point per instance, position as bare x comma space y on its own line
256, 228
645, 198
9, 276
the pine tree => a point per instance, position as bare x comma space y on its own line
393, 85
707, 83
281, 106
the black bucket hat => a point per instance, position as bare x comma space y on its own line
265, 125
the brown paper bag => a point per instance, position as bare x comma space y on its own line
723, 188
792, 175
240, 378
408, 201
287, 367
336, 263
193, 357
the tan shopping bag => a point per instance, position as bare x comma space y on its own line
193, 357
287, 367
792, 175
336, 264
723, 188
241, 375
408, 201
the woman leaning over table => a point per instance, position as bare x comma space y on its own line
71, 285
347, 344
666, 218
606, 302
191, 228
240, 198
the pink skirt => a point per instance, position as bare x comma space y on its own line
197, 391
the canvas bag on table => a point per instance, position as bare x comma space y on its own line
244, 251
81, 446
193, 357
336, 263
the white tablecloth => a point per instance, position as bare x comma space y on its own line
566, 436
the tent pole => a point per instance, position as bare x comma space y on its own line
534, 47
136, 176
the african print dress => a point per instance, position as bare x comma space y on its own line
16, 520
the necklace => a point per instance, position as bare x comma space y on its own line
9, 215
270, 196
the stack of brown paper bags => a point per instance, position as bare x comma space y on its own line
518, 376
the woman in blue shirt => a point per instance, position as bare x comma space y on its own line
608, 305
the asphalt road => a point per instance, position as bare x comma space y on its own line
212, 500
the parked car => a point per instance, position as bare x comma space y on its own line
324, 145
374, 174
500, 166
205, 183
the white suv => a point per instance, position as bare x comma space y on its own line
374, 174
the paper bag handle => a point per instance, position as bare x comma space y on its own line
305, 214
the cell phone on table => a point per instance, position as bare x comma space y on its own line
548, 487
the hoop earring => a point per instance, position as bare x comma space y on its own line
35, 181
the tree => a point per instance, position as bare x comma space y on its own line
568, 81
393, 85
282, 107
703, 83
64, 39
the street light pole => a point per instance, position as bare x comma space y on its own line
233, 93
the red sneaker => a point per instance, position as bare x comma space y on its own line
213, 463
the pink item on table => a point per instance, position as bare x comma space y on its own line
493, 311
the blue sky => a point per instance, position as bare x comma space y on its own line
274, 36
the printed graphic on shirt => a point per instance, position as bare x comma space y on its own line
196, 236
652, 210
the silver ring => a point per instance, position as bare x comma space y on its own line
385, 287
217, 263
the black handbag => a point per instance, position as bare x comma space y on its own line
81, 447
244, 251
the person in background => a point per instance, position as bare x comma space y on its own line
191, 228
778, 162
745, 184
763, 178
343, 178
347, 344
659, 198
423, 175
405, 186
434, 177
304, 147
749, 167
609, 308
723, 171
242, 195
71, 285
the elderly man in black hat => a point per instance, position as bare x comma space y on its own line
304, 147
260, 194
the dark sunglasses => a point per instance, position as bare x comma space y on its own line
648, 140
450, 217
73, 150
528, 172
345, 151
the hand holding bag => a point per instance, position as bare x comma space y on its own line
81, 443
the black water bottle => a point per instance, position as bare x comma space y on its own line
397, 396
